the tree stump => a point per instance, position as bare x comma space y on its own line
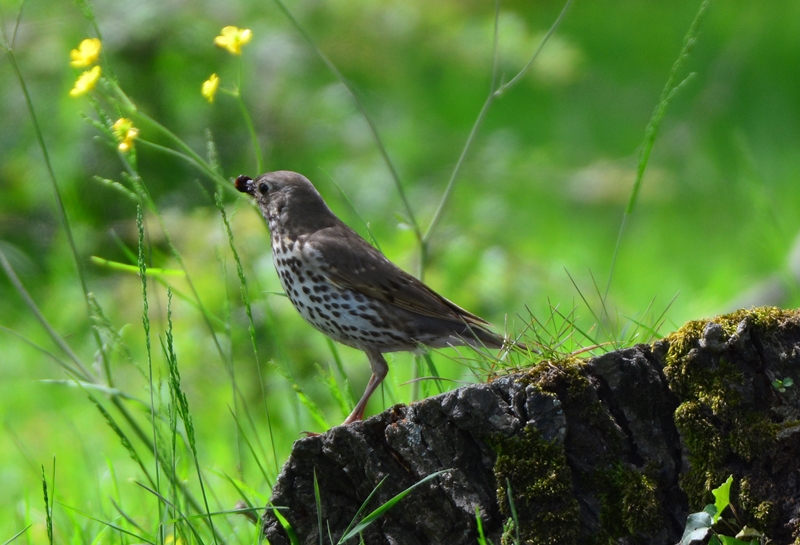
615, 449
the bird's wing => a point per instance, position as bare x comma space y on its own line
354, 264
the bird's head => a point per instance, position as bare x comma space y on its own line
288, 201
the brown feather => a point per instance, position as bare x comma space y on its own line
355, 264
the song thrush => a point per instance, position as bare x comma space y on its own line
346, 288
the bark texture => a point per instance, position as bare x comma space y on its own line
615, 449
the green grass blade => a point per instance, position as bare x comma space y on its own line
113, 265
313, 408
329, 381
362, 508
234, 511
142, 263
116, 186
134, 259
129, 519
267, 478
589, 307
373, 516
244, 291
513, 510
122, 436
111, 525
111, 392
181, 515
79, 370
318, 503
479, 524
337, 359
64, 365
15, 536
104, 326
285, 525
433, 371
183, 408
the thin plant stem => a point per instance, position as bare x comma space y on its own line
494, 93
653, 126
495, 45
202, 163
7, 44
146, 326
223, 265
183, 407
169, 151
79, 370
116, 399
243, 288
38, 347
48, 507
187, 154
62, 211
148, 201
140, 433
362, 109
449, 188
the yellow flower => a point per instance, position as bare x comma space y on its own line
233, 39
126, 133
210, 87
87, 53
85, 82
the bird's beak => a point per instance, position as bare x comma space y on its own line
245, 184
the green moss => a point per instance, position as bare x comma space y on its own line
628, 497
707, 452
566, 379
630, 505
711, 418
549, 375
681, 342
763, 512
711, 439
540, 481
751, 434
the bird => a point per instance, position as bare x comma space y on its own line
347, 289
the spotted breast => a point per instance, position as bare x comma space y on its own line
345, 315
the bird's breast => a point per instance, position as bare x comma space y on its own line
345, 315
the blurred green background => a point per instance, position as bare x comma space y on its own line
540, 198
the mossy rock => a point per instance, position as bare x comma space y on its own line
617, 449
731, 418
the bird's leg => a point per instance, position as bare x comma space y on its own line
379, 370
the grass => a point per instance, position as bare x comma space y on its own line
195, 409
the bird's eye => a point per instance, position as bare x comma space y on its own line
263, 188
